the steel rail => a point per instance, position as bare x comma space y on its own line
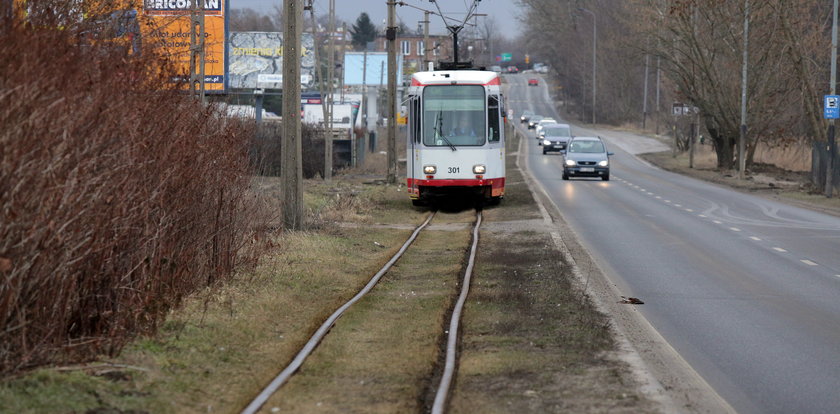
296, 363
452, 340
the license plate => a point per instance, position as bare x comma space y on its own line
587, 169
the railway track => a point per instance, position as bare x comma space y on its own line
448, 371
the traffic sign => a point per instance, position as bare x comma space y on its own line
507, 57
831, 107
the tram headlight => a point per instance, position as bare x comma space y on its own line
429, 169
479, 169
570, 163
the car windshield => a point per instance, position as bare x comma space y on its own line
526, 113
588, 147
558, 132
454, 115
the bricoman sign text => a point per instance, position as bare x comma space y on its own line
211, 7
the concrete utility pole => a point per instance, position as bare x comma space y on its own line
322, 88
742, 160
594, 60
197, 50
426, 47
832, 143
292, 165
328, 122
391, 35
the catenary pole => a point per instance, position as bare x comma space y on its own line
391, 35
291, 169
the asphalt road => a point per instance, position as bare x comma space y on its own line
746, 289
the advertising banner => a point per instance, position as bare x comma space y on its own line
256, 60
166, 29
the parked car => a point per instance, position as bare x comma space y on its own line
587, 157
526, 115
555, 137
533, 82
543, 122
532, 122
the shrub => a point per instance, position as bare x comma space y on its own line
118, 197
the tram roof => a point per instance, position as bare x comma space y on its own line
448, 77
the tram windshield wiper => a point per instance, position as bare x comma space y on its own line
439, 130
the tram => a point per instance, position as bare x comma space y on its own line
456, 139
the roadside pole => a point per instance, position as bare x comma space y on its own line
391, 35
742, 142
645, 94
291, 169
832, 143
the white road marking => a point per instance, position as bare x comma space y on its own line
779, 249
808, 262
677, 205
734, 229
658, 197
717, 222
668, 201
689, 210
700, 215
755, 238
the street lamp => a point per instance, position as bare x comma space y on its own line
594, 53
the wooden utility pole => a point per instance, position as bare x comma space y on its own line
292, 165
197, 50
328, 122
391, 35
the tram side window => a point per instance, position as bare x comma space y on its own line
415, 118
493, 118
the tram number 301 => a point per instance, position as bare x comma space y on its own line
454, 170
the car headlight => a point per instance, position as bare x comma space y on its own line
479, 169
571, 163
604, 163
546, 142
429, 169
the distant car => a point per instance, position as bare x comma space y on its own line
543, 122
526, 115
532, 122
496, 68
533, 82
555, 137
586, 157
512, 69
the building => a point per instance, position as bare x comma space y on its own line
411, 48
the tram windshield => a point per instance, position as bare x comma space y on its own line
454, 115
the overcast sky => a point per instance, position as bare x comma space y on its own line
503, 12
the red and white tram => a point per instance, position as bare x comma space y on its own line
456, 140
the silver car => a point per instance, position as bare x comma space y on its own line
587, 157
555, 137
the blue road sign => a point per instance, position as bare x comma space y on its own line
831, 107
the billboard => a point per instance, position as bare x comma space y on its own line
166, 29
377, 68
256, 59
